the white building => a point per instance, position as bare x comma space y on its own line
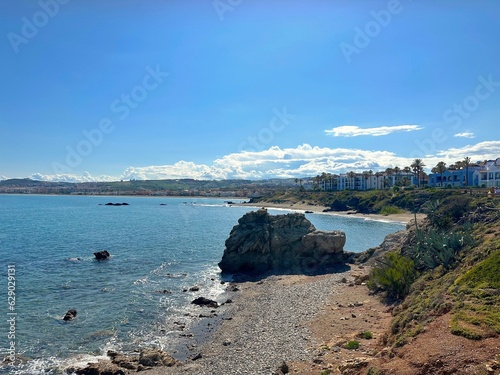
488, 175
367, 181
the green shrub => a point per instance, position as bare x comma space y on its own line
367, 335
449, 211
394, 274
352, 345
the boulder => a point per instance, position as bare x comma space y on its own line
124, 361
202, 301
263, 243
99, 368
70, 315
156, 357
102, 255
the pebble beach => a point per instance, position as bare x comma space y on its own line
280, 319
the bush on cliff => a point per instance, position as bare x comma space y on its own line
394, 275
464, 282
448, 211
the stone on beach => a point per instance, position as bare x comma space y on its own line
202, 301
290, 243
99, 368
155, 357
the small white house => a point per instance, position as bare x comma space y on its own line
488, 175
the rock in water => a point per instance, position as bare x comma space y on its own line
70, 315
263, 243
102, 255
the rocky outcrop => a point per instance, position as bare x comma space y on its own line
102, 255
202, 301
262, 243
155, 357
70, 315
121, 364
99, 368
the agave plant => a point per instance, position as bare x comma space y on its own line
435, 248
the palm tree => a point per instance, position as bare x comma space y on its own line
397, 171
418, 167
466, 163
316, 181
440, 168
387, 180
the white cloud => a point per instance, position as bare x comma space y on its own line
3, 178
276, 162
488, 150
181, 169
355, 131
465, 135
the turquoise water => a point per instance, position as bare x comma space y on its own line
50, 241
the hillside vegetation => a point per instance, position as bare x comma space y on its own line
369, 202
447, 264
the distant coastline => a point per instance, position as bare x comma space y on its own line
400, 217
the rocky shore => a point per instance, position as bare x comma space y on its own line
278, 319
323, 324
273, 324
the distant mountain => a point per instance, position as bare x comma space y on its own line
27, 182
186, 186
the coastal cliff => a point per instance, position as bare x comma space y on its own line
263, 243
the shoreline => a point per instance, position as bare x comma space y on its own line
304, 321
400, 218
291, 319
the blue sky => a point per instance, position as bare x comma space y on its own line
119, 89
